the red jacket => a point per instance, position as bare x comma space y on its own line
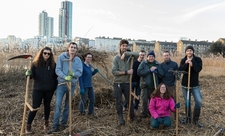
160, 107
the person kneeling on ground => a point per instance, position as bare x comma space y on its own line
161, 104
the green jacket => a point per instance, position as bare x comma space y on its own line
122, 65
147, 76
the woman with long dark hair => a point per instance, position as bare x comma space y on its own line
45, 82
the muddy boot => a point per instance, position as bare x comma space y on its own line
196, 117
46, 125
121, 120
28, 129
187, 119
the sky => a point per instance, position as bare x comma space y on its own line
160, 20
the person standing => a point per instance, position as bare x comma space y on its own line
45, 82
86, 88
161, 105
146, 70
122, 71
136, 80
168, 66
196, 66
65, 75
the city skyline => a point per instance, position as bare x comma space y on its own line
150, 20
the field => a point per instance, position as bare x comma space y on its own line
12, 91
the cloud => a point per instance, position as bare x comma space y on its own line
196, 12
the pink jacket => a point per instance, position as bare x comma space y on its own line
160, 107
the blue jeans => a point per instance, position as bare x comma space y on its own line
88, 91
60, 92
166, 121
195, 91
136, 86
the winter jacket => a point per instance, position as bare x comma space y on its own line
195, 69
168, 77
122, 65
147, 76
45, 78
85, 80
160, 107
62, 67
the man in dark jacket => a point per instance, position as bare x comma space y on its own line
147, 70
194, 89
168, 77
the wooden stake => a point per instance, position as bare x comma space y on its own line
70, 97
177, 110
130, 94
154, 79
26, 99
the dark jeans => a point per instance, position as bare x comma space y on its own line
119, 89
37, 100
166, 121
136, 87
88, 92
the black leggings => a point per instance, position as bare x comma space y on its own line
37, 100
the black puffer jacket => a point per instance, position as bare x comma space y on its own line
45, 78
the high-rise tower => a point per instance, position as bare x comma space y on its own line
45, 25
65, 20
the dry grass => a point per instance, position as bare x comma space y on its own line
12, 90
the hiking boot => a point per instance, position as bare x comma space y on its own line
196, 117
28, 129
121, 120
46, 125
53, 130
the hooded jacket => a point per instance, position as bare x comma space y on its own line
62, 67
195, 69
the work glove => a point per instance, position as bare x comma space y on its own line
160, 120
177, 105
96, 70
68, 78
82, 91
28, 73
70, 73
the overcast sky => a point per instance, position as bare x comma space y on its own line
158, 20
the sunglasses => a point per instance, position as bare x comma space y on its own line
46, 53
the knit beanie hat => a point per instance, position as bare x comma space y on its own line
189, 47
151, 53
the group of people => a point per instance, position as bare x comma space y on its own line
152, 81
50, 76
155, 84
